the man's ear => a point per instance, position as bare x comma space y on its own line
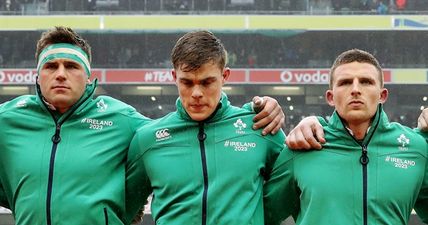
383, 95
329, 97
174, 75
37, 79
226, 74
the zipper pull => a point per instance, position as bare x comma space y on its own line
201, 134
56, 138
364, 159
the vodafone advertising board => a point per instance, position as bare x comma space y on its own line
242, 76
164, 76
298, 76
23, 76
29, 76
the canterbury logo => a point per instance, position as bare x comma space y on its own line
162, 134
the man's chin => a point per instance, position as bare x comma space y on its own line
358, 117
61, 102
198, 116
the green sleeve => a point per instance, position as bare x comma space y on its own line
3, 199
137, 120
278, 145
281, 197
421, 206
424, 134
138, 186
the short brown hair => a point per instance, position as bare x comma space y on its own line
355, 55
196, 48
62, 34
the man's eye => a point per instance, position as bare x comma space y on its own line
186, 83
366, 82
49, 66
208, 82
72, 66
345, 82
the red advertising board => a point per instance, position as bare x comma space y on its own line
21, 76
138, 76
97, 73
156, 76
238, 76
387, 76
296, 76
164, 76
29, 76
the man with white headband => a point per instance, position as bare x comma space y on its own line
63, 151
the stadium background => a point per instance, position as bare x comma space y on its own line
280, 48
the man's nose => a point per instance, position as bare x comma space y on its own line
196, 92
60, 72
356, 87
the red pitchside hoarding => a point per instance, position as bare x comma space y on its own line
296, 76
238, 76
18, 76
29, 76
163, 76
97, 73
138, 76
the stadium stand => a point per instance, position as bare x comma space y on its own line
275, 49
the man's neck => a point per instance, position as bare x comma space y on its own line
359, 130
60, 110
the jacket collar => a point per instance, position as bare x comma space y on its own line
222, 106
379, 122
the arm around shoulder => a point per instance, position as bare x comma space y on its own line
421, 206
281, 197
138, 186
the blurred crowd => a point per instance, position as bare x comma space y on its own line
206, 6
275, 49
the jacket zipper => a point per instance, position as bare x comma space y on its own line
201, 137
364, 160
56, 138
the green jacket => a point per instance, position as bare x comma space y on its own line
3, 199
211, 172
377, 181
66, 169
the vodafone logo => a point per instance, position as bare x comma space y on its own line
304, 76
18, 76
162, 134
